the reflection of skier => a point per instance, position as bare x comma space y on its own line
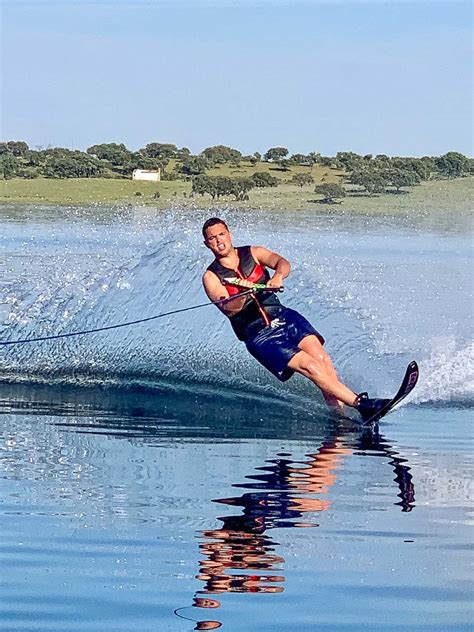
403, 476
281, 493
281, 339
279, 496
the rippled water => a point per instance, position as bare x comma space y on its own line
155, 478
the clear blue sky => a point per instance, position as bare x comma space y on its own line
389, 77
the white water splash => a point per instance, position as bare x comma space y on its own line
380, 298
447, 374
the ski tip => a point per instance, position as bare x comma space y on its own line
412, 374
413, 366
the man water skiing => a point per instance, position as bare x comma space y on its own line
280, 338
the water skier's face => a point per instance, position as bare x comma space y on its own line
219, 240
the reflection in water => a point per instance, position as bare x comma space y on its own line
240, 556
403, 477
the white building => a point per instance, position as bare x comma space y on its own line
151, 175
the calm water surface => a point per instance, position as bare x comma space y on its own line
155, 478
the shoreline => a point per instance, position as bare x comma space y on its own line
428, 197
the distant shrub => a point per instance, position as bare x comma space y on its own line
300, 179
330, 192
218, 186
262, 179
26, 175
170, 175
63, 163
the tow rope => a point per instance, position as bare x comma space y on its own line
258, 287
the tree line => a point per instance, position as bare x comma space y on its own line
363, 173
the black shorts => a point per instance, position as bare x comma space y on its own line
275, 345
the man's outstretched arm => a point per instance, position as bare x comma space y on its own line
216, 291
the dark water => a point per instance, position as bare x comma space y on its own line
155, 478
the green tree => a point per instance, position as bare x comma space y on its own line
220, 154
173, 174
416, 165
349, 160
27, 174
72, 164
194, 165
250, 159
429, 163
9, 165
57, 152
215, 186
299, 159
136, 160
161, 151
182, 153
219, 186
325, 161
285, 165
115, 153
372, 180
223, 186
402, 178
241, 187
453, 164
263, 179
17, 148
313, 159
275, 154
202, 184
302, 179
330, 192
33, 158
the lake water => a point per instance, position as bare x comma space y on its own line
154, 477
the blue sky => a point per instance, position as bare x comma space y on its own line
336, 75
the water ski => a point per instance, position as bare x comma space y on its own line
408, 384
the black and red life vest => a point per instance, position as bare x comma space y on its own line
257, 311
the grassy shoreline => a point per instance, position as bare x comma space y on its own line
426, 197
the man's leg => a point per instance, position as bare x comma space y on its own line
314, 363
315, 349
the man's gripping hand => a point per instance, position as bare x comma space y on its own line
276, 281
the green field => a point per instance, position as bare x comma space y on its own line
436, 194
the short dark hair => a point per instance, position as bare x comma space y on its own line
212, 221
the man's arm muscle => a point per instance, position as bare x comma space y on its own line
274, 261
216, 291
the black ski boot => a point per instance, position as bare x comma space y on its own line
368, 407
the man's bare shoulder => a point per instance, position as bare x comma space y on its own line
263, 255
209, 278
258, 251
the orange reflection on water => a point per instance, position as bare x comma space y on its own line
281, 493
278, 495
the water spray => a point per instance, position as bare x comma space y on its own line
257, 287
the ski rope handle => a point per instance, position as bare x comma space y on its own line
256, 286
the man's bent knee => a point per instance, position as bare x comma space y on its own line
304, 363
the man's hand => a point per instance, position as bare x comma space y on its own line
272, 260
276, 280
